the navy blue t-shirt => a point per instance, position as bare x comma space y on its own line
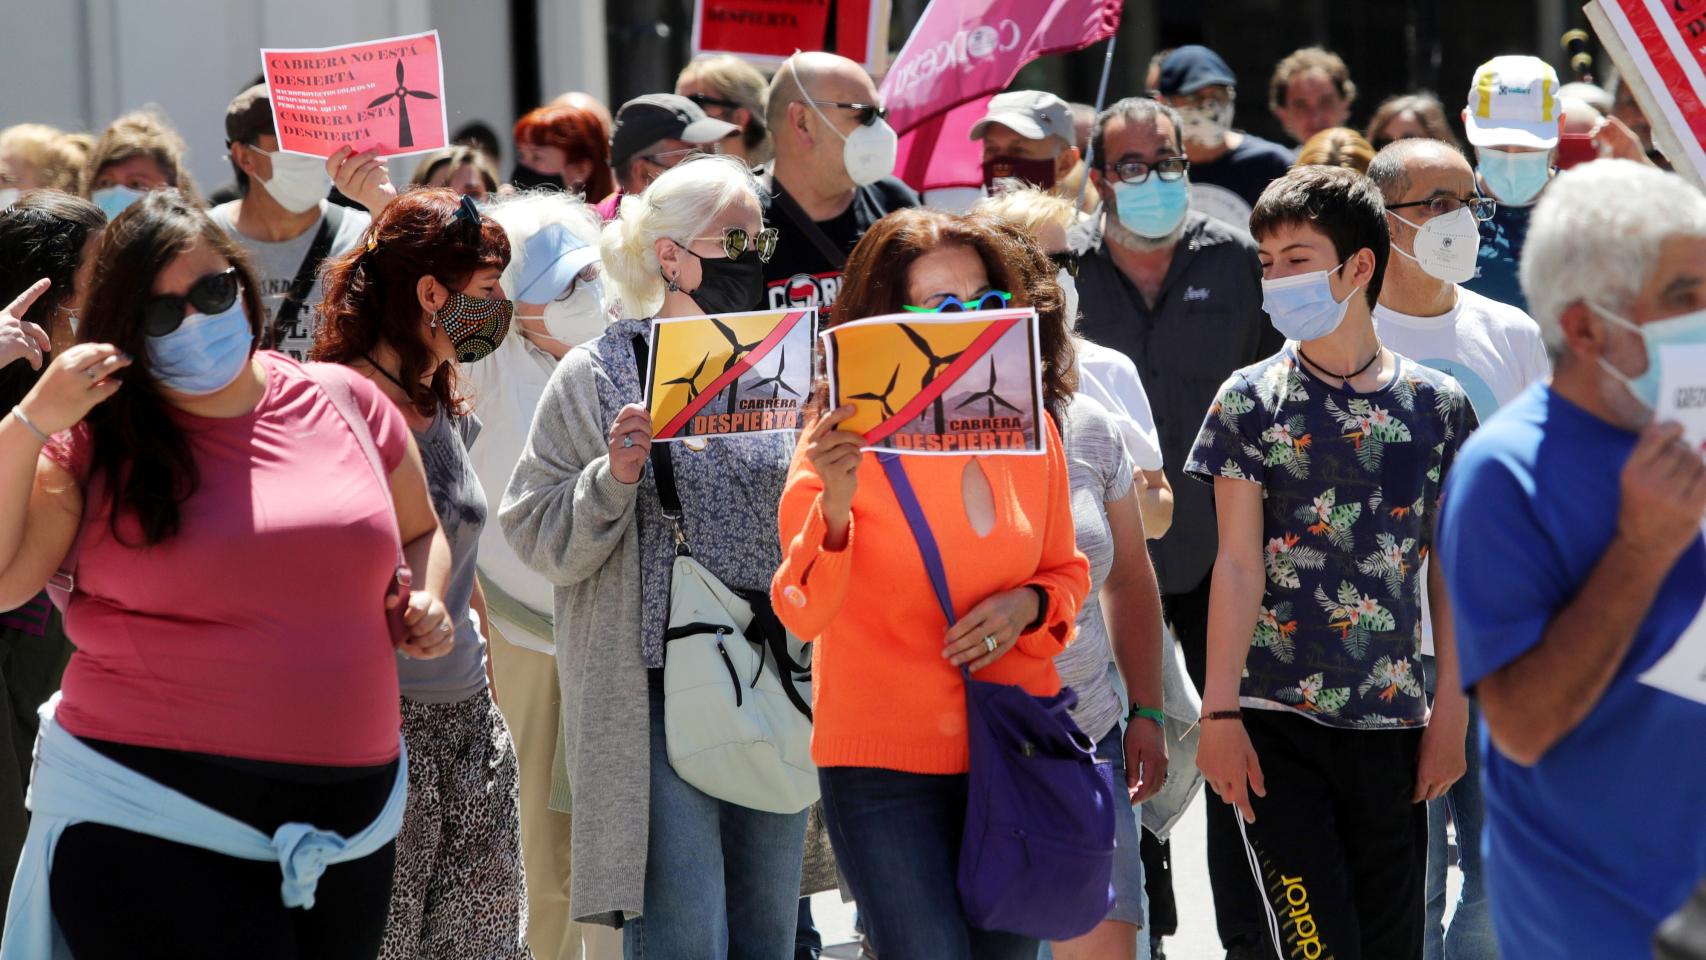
1590, 849
1501, 250
1227, 189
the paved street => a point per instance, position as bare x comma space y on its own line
1196, 939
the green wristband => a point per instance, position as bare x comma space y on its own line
1147, 713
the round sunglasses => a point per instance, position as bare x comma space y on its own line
212, 294
736, 241
993, 300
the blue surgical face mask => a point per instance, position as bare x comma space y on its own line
1687, 330
205, 354
1154, 208
1514, 178
113, 200
1302, 307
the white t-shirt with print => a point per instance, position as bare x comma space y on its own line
1493, 349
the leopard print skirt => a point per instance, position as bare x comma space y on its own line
459, 889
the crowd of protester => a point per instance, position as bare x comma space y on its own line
1357, 433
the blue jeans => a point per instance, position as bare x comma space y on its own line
897, 839
1471, 933
722, 880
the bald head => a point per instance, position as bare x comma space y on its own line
1580, 117
1401, 166
818, 76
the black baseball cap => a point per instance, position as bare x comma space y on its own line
645, 120
1192, 67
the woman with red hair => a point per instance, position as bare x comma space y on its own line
570, 143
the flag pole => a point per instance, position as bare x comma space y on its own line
1101, 99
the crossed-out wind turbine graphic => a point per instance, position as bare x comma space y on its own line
882, 398
775, 383
692, 382
740, 351
989, 395
934, 366
405, 135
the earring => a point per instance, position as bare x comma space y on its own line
674, 287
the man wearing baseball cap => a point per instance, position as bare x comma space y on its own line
1229, 168
652, 134
1513, 119
1027, 135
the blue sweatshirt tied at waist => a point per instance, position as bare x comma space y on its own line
73, 783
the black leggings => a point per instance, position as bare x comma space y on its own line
117, 893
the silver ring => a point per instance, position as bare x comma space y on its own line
445, 627
627, 441
92, 374
990, 643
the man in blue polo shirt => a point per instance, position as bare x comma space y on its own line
1571, 545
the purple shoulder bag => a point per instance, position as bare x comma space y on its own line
1037, 852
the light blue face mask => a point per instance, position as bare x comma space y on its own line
1154, 208
113, 200
1687, 330
205, 354
1302, 307
1514, 178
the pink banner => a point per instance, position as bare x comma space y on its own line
384, 94
965, 49
937, 153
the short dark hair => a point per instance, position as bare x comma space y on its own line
1133, 110
1343, 204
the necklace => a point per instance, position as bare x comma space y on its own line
400, 385
1345, 378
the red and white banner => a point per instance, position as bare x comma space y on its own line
769, 31
1659, 47
964, 51
387, 94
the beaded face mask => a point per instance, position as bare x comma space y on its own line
475, 327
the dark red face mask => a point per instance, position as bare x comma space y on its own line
1037, 173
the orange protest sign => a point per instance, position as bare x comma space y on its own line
728, 375
942, 383
385, 94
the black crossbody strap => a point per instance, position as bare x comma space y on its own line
318, 250
663, 468
834, 254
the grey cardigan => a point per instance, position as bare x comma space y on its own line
572, 521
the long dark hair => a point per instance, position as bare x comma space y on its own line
370, 293
42, 235
880, 266
137, 448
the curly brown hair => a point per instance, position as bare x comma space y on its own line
875, 281
370, 293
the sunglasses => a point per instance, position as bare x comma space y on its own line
668, 159
212, 294
706, 100
737, 241
869, 113
993, 300
1066, 260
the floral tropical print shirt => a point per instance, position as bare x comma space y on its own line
1351, 486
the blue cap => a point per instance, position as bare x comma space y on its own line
1190, 68
551, 260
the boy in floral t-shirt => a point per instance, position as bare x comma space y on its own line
1327, 461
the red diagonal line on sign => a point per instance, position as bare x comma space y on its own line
769, 343
984, 342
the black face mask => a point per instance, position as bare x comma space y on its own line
730, 286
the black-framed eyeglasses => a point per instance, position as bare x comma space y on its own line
993, 300
736, 241
1482, 208
212, 294
706, 100
869, 113
1137, 171
1066, 260
668, 159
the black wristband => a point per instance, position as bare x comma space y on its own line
1042, 609
1223, 715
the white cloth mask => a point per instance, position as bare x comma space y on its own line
298, 183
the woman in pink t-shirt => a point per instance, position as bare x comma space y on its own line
233, 549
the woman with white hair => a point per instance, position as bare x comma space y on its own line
686, 874
558, 290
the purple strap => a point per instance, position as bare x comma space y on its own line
920, 530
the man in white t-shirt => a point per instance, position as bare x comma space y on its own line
1495, 351
283, 211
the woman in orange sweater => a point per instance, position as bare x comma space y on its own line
890, 715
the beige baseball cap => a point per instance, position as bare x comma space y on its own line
1032, 114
